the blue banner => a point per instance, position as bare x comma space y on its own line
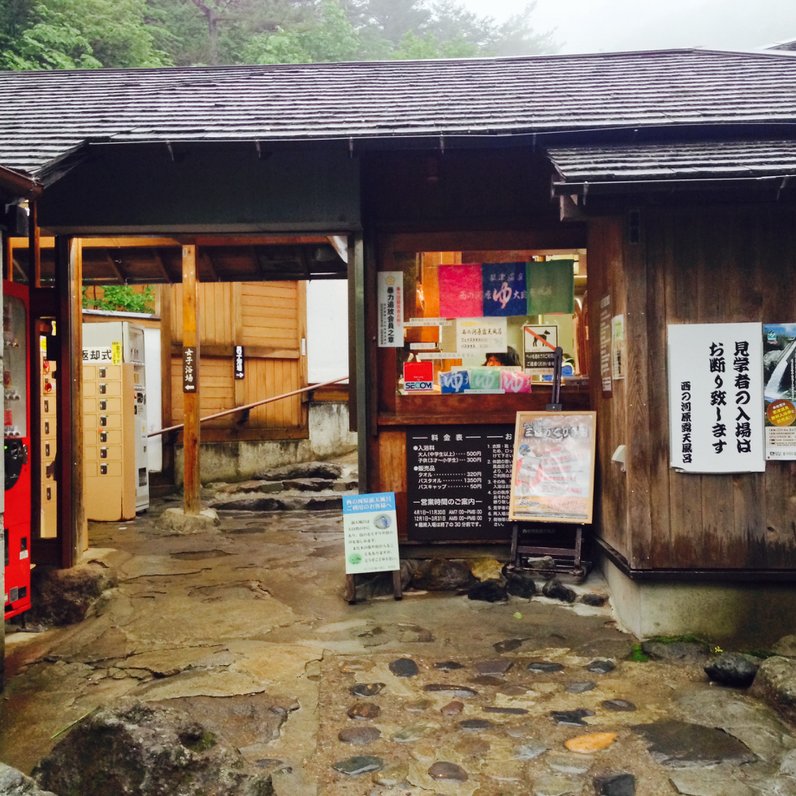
505, 290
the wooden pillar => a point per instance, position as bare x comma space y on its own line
358, 352
190, 380
34, 247
68, 284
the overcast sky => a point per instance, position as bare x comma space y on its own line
608, 25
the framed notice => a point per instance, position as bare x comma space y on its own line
552, 477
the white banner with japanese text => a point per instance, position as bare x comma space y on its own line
716, 397
390, 290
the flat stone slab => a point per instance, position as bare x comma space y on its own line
619, 705
460, 691
680, 744
496, 666
544, 667
573, 718
176, 521
359, 764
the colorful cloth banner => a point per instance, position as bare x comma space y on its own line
504, 289
460, 291
551, 287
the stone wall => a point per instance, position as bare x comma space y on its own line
233, 461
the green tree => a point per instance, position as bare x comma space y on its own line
66, 34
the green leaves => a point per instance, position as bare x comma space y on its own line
120, 298
69, 34
77, 34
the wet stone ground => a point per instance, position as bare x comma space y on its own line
245, 627
517, 724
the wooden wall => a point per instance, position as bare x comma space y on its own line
693, 264
269, 319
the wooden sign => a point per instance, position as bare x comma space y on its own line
190, 372
552, 477
239, 362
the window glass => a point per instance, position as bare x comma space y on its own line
489, 321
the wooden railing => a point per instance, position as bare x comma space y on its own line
244, 409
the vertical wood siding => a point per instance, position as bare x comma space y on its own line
268, 318
695, 265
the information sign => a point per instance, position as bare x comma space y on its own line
458, 480
538, 345
370, 533
239, 363
716, 397
552, 477
190, 373
779, 394
391, 308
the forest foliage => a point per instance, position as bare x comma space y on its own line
88, 34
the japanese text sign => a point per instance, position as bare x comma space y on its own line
716, 397
370, 533
391, 309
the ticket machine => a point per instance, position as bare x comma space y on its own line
16, 423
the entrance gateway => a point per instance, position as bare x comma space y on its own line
674, 235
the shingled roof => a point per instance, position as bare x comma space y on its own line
616, 166
45, 114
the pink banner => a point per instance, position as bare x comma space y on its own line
460, 291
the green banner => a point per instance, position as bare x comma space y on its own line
551, 287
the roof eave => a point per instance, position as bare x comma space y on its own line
616, 187
19, 185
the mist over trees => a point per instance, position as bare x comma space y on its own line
89, 34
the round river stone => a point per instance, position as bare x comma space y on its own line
363, 711
444, 770
404, 667
359, 736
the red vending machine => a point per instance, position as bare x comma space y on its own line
16, 421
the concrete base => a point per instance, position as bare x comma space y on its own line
329, 436
749, 614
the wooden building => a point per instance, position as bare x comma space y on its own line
665, 177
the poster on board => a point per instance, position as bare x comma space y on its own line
370, 533
779, 390
552, 477
716, 397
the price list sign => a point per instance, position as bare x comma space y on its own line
459, 481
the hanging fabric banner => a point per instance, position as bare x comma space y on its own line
716, 397
460, 291
551, 287
504, 289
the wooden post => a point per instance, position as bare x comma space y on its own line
190, 380
34, 247
68, 284
358, 365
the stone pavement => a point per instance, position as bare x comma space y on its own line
244, 627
